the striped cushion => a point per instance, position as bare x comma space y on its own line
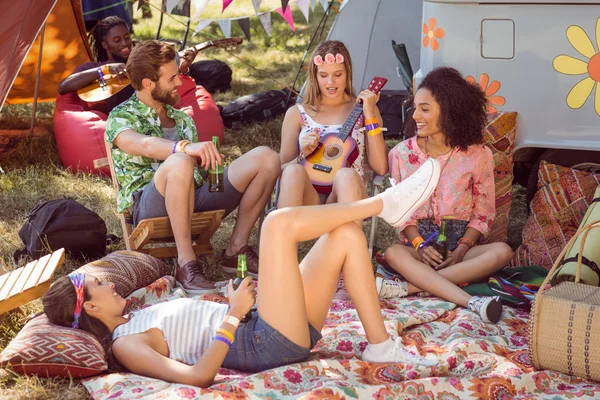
557, 209
499, 135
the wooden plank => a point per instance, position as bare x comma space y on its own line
3, 280
38, 271
56, 260
12, 279
23, 298
19, 285
100, 162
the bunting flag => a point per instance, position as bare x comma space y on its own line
287, 15
178, 7
225, 25
140, 4
244, 23
199, 7
203, 23
313, 4
256, 4
325, 4
303, 6
284, 4
226, 4
265, 20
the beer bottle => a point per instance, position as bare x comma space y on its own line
216, 176
441, 244
242, 272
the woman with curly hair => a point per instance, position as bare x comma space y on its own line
450, 117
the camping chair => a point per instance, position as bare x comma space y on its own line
376, 187
27, 283
405, 72
183, 10
158, 230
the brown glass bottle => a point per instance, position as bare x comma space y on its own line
216, 176
242, 272
441, 244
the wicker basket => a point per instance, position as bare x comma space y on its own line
564, 325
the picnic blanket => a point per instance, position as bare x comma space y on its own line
476, 360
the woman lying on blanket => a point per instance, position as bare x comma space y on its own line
326, 106
450, 117
187, 341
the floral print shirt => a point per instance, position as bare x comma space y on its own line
309, 125
135, 172
466, 188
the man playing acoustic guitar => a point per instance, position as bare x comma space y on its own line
111, 45
155, 148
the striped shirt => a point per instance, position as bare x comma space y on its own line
188, 326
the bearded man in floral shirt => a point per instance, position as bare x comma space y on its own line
157, 170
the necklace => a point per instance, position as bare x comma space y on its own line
432, 199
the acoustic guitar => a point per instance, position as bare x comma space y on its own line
95, 92
336, 150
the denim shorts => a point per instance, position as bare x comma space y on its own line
259, 347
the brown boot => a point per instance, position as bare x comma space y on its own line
191, 279
229, 263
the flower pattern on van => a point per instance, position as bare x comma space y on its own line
569, 65
432, 34
490, 91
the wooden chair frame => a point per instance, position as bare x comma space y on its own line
158, 230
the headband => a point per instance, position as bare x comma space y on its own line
77, 279
329, 59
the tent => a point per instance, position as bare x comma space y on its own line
367, 28
62, 40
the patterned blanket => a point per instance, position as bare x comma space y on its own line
476, 360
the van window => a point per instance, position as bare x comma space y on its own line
498, 38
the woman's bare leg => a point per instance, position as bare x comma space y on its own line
347, 186
478, 263
295, 188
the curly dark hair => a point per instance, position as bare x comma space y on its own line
462, 106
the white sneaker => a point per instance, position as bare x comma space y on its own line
397, 354
488, 308
402, 200
390, 288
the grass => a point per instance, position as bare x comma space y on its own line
33, 171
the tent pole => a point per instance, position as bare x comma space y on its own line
37, 81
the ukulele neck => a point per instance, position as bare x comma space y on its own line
346, 129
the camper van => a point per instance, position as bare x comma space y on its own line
540, 58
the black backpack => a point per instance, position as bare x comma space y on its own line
213, 75
257, 107
56, 224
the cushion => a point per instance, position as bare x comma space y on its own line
128, 270
45, 349
499, 135
557, 209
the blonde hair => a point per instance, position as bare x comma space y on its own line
313, 92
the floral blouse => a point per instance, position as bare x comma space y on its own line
466, 188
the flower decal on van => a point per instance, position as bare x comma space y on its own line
432, 34
490, 91
569, 65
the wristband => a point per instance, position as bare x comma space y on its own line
374, 132
222, 339
370, 127
105, 69
101, 78
373, 120
181, 145
226, 333
174, 148
230, 319
466, 241
417, 242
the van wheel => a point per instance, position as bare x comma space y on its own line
576, 159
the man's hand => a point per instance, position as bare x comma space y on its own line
207, 152
117, 69
187, 60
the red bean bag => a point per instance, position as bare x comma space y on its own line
80, 131
198, 103
79, 134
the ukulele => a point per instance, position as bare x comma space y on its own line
95, 92
336, 150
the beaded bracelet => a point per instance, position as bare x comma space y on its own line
227, 334
373, 120
466, 241
222, 339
